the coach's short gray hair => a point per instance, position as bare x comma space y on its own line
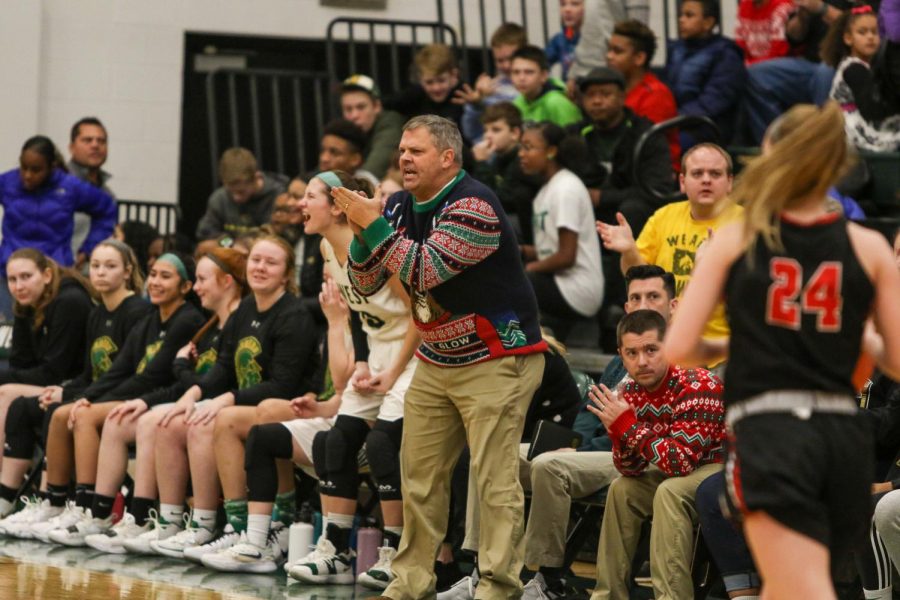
444, 133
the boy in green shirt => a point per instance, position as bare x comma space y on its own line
539, 99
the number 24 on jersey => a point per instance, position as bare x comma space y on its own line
788, 298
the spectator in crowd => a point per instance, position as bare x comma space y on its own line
88, 152
488, 90
436, 79
39, 200
561, 47
775, 85
630, 52
245, 200
478, 274
539, 99
611, 131
341, 148
563, 265
673, 236
760, 30
144, 239
497, 166
704, 70
557, 478
850, 46
664, 446
600, 16
361, 104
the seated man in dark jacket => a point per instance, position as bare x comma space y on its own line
704, 70
611, 133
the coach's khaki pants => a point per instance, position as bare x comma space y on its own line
630, 502
555, 479
444, 407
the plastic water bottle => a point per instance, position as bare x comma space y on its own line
300, 540
368, 539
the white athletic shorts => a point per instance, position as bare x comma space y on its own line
304, 430
387, 407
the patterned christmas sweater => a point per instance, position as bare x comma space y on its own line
457, 256
679, 427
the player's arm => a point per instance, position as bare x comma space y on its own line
685, 345
878, 262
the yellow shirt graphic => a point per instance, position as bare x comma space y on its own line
670, 240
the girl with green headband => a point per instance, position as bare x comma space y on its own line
143, 364
115, 276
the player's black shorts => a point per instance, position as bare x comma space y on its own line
813, 475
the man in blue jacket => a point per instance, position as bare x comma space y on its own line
704, 70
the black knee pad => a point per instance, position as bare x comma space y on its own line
383, 452
23, 418
341, 450
320, 464
264, 444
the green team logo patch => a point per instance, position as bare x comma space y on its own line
101, 355
246, 368
149, 354
205, 361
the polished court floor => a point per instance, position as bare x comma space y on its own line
34, 571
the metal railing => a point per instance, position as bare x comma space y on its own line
682, 122
277, 114
162, 216
540, 19
380, 48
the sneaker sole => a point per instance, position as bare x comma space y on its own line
337, 579
261, 567
372, 583
108, 549
163, 551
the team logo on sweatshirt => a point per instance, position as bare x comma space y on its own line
149, 354
246, 368
101, 355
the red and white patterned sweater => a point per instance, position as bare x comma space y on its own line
678, 428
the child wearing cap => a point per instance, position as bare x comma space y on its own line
361, 104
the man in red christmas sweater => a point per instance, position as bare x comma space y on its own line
667, 425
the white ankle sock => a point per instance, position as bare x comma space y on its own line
258, 529
6, 507
204, 518
882, 594
172, 513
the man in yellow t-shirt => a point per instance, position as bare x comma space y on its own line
674, 233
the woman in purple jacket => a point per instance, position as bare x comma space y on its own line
39, 202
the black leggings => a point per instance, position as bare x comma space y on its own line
265, 443
26, 426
